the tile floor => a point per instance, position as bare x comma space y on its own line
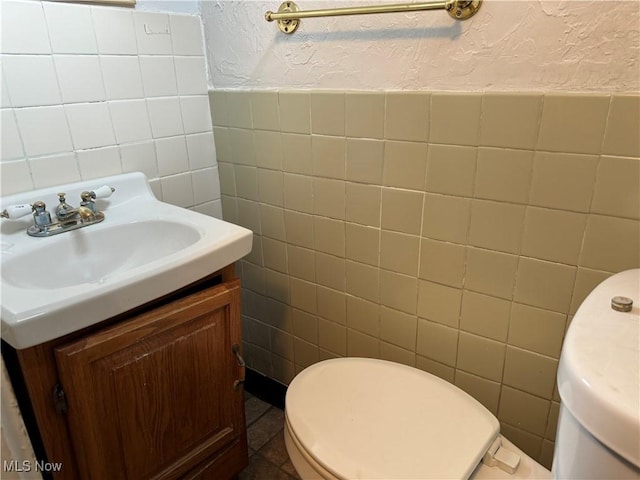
268, 459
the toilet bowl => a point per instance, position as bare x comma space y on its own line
362, 418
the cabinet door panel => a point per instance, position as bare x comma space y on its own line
151, 397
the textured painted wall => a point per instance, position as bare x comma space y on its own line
508, 46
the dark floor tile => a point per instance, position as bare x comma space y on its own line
265, 428
290, 469
261, 469
275, 450
254, 408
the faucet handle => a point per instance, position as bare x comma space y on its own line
104, 191
16, 211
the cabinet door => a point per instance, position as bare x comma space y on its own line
153, 396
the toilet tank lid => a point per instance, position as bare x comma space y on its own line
599, 371
366, 418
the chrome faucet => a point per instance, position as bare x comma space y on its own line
68, 217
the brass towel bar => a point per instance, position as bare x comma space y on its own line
288, 16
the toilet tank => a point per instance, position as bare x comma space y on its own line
598, 432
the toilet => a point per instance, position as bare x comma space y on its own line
362, 418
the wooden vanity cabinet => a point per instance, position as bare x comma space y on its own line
157, 395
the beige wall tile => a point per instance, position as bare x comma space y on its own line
485, 315
246, 182
326, 354
365, 159
573, 123
258, 358
280, 315
255, 256
498, 127
283, 369
268, 149
480, 356
622, 136
435, 368
363, 204
239, 109
275, 254
538, 330
483, 390
277, 285
407, 116
254, 305
361, 345
227, 178
222, 144
553, 235
302, 262
363, 315
257, 333
281, 343
329, 236
332, 305
364, 114
218, 106
328, 155
332, 337
546, 454
362, 280
564, 181
272, 222
327, 113
399, 252
229, 208
362, 244
270, 187
295, 111
451, 170
552, 422
253, 277
303, 296
249, 215
523, 410
442, 262
496, 226
243, 146
296, 154
401, 210
528, 442
446, 218
329, 198
305, 353
298, 192
396, 354
455, 118
405, 165
530, 372
586, 281
439, 303
398, 291
330, 271
299, 227
437, 342
264, 108
611, 244
398, 328
544, 284
617, 190
503, 175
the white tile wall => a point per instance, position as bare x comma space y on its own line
89, 91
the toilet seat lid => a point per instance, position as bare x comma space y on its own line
373, 419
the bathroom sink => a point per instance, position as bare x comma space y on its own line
144, 249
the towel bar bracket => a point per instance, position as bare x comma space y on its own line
288, 15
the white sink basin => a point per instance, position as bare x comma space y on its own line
144, 249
